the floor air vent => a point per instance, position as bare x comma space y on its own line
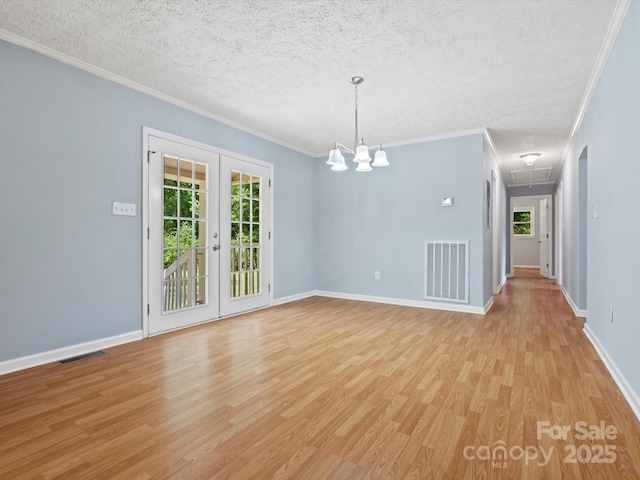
446, 271
81, 357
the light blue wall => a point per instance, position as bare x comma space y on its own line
610, 131
70, 145
381, 219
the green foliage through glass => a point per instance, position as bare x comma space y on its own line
522, 222
182, 232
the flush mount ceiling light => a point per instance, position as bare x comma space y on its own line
360, 151
529, 158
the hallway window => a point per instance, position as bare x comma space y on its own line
524, 222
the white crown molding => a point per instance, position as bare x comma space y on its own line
489, 139
618, 377
619, 13
504, 171
51, 356
444, 136
87, 67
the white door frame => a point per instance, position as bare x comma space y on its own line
549, 236
494, 235
558, 237
144, 211
534, 198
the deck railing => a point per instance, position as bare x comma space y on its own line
184, 283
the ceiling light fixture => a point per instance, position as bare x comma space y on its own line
529, 158
360, 151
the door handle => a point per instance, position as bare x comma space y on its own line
216, 248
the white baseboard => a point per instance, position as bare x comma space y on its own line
488, 306
450, 307
577, 312
504, 280
50, 356
627, 391
526, 266
293, 298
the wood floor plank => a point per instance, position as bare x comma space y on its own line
327, 388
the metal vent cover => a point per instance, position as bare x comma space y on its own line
446, 271
81, 357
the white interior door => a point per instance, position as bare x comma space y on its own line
183, 235
543, 239
244, 235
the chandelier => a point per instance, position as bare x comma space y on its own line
360, 151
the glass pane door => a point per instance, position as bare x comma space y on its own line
183, 235
185, 225
244, 233
246, 245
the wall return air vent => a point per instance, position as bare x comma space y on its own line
446, 271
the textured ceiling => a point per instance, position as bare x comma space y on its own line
281, 67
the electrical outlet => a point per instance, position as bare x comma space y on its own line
610, 313
127, 209
376, 275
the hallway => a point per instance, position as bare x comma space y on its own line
326, 388
519, 272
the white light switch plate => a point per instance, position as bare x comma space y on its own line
127, 209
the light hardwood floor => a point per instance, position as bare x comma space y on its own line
526, 272
329, 389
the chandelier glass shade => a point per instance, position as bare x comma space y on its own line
360, 151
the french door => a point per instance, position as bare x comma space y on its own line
244, 211
208, 218
183, 235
